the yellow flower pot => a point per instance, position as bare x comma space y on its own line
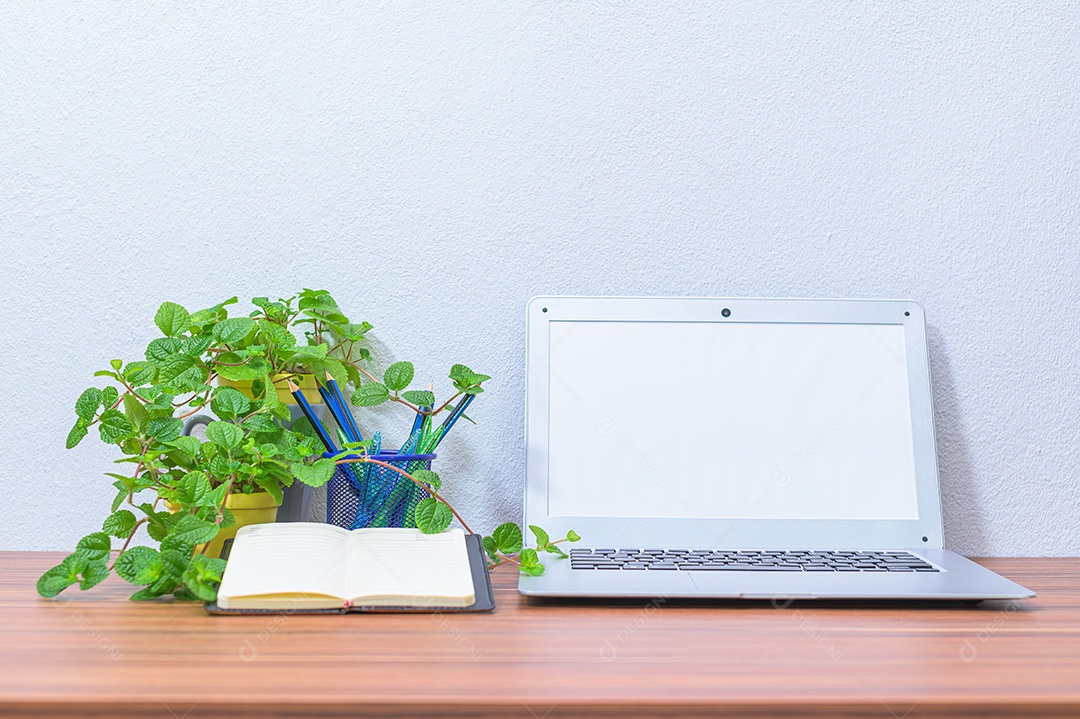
255, 508
306, 382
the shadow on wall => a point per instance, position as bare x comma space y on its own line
964, 530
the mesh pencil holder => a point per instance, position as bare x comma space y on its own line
360, 494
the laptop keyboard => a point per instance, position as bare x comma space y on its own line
721, 560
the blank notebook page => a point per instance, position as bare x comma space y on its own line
296, 557
411, 565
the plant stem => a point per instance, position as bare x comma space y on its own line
504, 559
445, 404
127, 541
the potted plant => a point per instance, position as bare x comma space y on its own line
185, 491
197, 488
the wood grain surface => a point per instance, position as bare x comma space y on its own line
98, 654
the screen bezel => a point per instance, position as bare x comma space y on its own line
737, 533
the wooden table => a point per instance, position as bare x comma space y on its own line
97, 654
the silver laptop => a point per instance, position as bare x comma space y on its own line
738, 448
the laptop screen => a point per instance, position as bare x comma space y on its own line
729, 420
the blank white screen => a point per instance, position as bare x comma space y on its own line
729, 420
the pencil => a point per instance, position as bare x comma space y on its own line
453, 418
339, 417
343, 405
310, 414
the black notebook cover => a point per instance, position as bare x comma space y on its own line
485, 598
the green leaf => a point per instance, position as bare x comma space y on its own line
121, 495
318, 300
119, 523
164, 429
177, 544
209, 567
260, 423
314, 475
255, 368
281, 411
229, 402
140, 373
419, 397
533, 570
398, 376
186, 444
572, 536
94, 546
555, 549
337, 370
174, 562
276, 335
163, 348
109, 395
306, 353
76, 434
271, 486
94, 574
228, 519
195, 346
491, 547
158, 524
234, 330
159, 588
202, 575
194, 490
175, 366
116, 364
224, 434
60, 577
86, 406
428, 477
542, 537
161, 406
433, 516
134, 411
220, 466
172, 319
303, 427
508, 537
464, 377
472, 390
362, 447
530, 563
192, 530
200, 318
460, 373
370, 394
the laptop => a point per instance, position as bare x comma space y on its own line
738, 448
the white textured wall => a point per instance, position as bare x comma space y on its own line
435, 164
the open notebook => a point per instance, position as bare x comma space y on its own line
304, 566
